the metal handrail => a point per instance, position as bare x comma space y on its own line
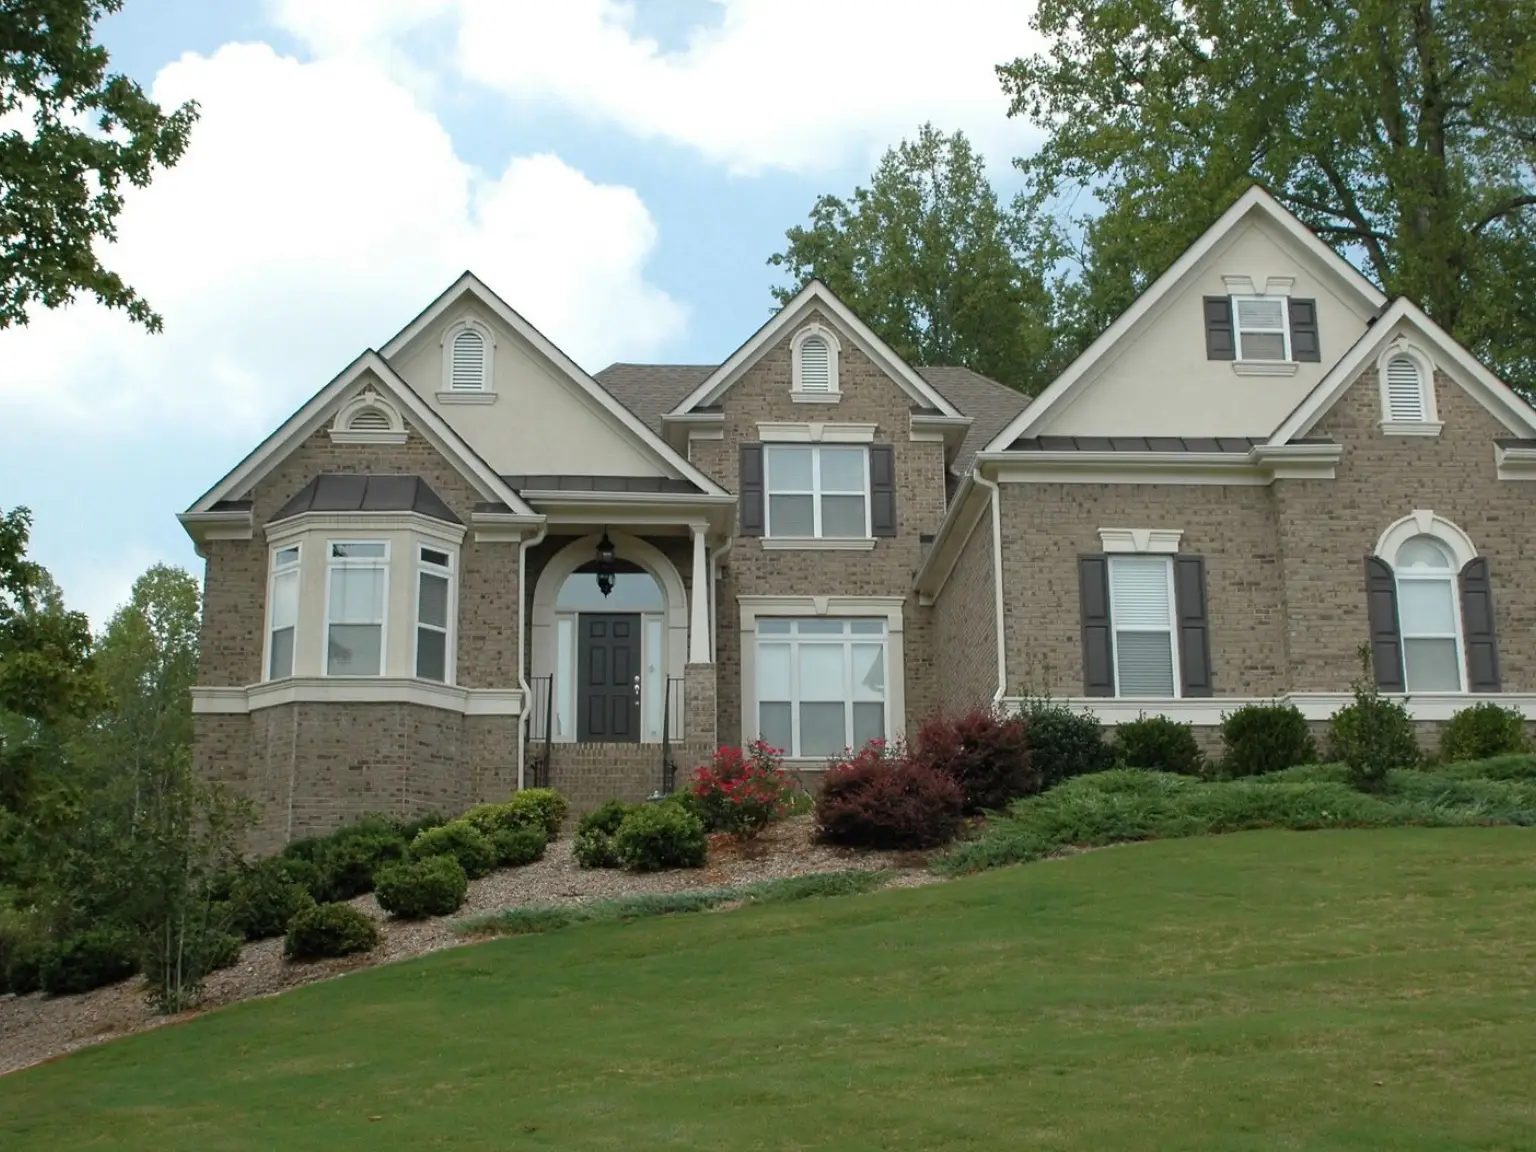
541, 728
671, 712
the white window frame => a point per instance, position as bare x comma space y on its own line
425, 567
276, 570
833, 391
846, 640
332, 564
1284, 329
1171, 631
1451, 576
815, 492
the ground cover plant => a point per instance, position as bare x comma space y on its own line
1186, 994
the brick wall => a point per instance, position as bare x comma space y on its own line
964, 628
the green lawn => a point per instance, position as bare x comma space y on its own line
1341, 989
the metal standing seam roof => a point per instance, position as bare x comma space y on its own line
522, 484
347, 492
1235, 444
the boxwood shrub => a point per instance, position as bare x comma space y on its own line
654, 837
1064, 743
90, 959
1261, 738
593, 846
434, 886
1158, 744
461, 840
264, 897
516, 847
1481, 732
543, 807
324, 930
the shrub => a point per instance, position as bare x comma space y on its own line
685, 799
879, 800
461, 840
90, 959
1158, 744
742, 792
654, 837
434, 886
985, 751
296, 870
1261, 738
352, 857
329, 930
1064, 743
593, 845
204, 951
543, 807
516, 847
22, 948
264, 898
1481, 732
414, 827
1373, 735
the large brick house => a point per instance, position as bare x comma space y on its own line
466, 565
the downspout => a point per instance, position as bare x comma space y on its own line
522, 643
721, 554
995, 496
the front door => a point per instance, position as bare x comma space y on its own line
608, 678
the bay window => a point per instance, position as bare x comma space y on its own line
817, 490
357, 583
821, 684
282, 612
434, 585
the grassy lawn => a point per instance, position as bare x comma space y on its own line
1334, 989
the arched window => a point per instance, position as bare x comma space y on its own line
1405, 390
467, 371
1429, 615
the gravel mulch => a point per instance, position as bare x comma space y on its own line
38, 1028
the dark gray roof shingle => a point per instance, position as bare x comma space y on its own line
345, 492
650, 391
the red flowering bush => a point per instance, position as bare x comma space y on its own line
880, 797
741, 792
986, 751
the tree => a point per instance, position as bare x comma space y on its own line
1402, 131
928, 259
84, 133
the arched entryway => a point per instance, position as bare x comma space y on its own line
610, 657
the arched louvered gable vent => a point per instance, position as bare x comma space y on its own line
1405, 390
815, 365
468, 369
369, 420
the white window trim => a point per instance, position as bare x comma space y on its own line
815, 432
1431, 425
450, 641
1432, 707
1425, 522
486, 393
357, 690
834, 351
1172, 632
1447, 576
845, 641
806, 607
1140, 540
373, 562
1284, 330
342, 432
296, 569
816, 493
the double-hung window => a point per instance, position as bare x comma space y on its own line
282, 612
817, 490
1429, 617
434, 585
1263, 328
1141, 607
821, 684
357, 586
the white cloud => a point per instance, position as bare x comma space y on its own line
791, 84
319, 207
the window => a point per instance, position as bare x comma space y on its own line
1429, 619
282, 612
1405, 391
468, 372
1142, 614
817, 490
821, 684
1262, 328
434, 579
357, 583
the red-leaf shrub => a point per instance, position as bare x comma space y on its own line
985, 751
742, 792
883, 798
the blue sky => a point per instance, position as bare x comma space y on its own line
620, 172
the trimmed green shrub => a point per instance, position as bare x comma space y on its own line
985, 751
1371, 737
593, 845
410, 829
349, 861
685, 799
516, 847
876, 800
1481, 732
544, 807
1064, 743
90, 959
264, 897
655, 837
324, 930
207, 951
1158, 744
489, 819
435, 886
461, 840
1261, 738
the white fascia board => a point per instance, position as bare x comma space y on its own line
356, 690
965, 512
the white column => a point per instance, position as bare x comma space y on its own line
698, 618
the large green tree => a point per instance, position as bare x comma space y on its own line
1402, 131
72, 135
929, 259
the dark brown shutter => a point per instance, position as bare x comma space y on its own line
1220, 340
1386, 640
882, 490
1098, 632
751, 491
1477, 624
1194, 626
1304, 341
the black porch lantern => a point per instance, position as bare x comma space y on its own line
605, 564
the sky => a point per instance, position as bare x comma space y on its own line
618, 171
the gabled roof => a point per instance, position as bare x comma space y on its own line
323, 405
815, 295
1256, 202
471, 285
1487, 389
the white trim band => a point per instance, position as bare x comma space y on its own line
1208, 711
357, 690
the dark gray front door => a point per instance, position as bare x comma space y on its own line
608, 678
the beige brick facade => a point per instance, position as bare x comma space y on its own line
964, 629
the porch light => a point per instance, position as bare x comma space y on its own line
605, 565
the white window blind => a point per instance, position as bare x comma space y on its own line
1405, 390
815, 365
283, 612
1262, 332
1429, 618
821, 685
468, 374
355, 597
1141, 610
819, 491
